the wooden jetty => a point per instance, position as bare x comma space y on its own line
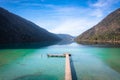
68, 74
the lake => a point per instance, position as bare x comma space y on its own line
87, 62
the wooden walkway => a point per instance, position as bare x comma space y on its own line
68, 74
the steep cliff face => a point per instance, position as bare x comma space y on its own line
108, 30
15, 29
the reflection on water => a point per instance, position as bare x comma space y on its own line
27, 45
88, 63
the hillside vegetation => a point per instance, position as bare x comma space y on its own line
15, 29
108, 30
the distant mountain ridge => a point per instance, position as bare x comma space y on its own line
66, 39
108, 30
15, 29
65, 36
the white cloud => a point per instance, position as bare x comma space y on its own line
102, 3
97, 13
80, 19
69, 20
101, 6
73, 20
74, 26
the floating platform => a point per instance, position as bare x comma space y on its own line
57, 55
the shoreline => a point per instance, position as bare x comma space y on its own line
99, 42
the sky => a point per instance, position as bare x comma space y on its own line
62, 16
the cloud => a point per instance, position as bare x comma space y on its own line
74, 26
77, 19
65, 19
68, 20
72, 20
104, 3
97, 13
101, 6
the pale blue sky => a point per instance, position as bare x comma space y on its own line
62, 16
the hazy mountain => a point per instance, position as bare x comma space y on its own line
108, 30
66, 39
15, 29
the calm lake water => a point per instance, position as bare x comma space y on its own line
87, 62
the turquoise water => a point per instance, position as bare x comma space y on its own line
88, 63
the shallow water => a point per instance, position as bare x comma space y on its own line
88, 63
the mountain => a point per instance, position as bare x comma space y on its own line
108, 30
66, 39
15, 29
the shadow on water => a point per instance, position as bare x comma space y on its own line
27, 45
74, 75
32, 45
